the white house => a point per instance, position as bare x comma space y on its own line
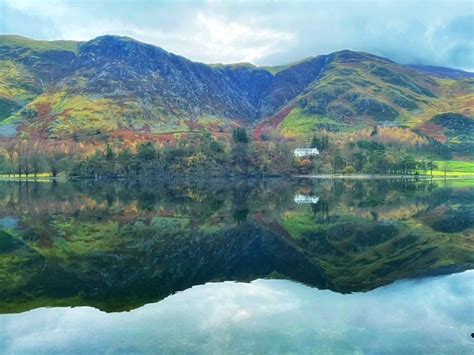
299, 199
305, 152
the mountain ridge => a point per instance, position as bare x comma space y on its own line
13, 37
52, 89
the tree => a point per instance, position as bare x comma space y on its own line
305, 165
12, 155
37, 164
146, 152
109, 153
431, 166
322, 142
4, 164
53, 160
240, 135
359, 160
409, 164
146, 159
125, 160
445, 169
375, 131
338, 163
349, 169
240, 157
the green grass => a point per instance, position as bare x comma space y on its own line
16, 83
170, 224
298, 123
233, 65
453, 168
453, 165
38, 46
299, 222
82, 114
278, 68
72, 114
459, 183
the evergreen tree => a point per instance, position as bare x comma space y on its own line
240, 135
375, 131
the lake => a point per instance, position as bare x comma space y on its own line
237, 266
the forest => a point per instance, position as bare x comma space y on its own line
370, 151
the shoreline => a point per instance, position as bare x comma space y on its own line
384, 176
244, 177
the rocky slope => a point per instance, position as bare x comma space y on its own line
62, 88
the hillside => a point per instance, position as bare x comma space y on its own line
121, 87
352, 90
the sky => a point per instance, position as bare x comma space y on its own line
434, 32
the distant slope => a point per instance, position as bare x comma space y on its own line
356, 89
442, 71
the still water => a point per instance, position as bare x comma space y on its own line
275, 266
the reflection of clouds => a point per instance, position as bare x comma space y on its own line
423, 315
9, 222
228, 302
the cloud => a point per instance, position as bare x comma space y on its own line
236, 41
263, 32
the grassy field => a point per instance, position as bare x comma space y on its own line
38, 46
41, 177
453, 168
300, 124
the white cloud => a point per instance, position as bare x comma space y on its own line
237, 41
262, 32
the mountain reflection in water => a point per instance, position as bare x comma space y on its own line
116, 246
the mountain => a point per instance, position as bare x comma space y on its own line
117, 85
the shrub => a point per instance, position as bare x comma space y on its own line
349, 169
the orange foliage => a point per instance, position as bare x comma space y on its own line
402, 137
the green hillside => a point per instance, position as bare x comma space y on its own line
360, 90
21, 43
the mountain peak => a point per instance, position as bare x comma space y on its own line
109, 49
112, 39
114, 42
348, 55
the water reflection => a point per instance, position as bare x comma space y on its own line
117, 245
265, 316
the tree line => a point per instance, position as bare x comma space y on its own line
208, 156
